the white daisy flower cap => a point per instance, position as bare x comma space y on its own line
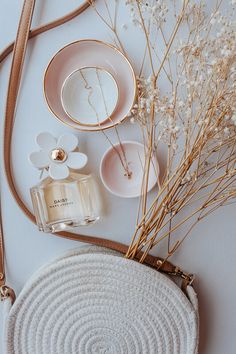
58, 156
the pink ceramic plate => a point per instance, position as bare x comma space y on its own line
94, 54
113, 174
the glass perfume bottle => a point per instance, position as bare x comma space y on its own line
65, 199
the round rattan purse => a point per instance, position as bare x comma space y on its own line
91, 300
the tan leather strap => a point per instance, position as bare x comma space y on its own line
19, 49
5, 291
2, 268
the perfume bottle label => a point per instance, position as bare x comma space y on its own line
62, 202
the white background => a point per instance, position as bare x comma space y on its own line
209, 252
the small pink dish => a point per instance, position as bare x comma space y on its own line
113, 175
90, 53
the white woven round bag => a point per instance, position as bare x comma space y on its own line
94, 301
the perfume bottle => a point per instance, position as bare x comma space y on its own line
66, 198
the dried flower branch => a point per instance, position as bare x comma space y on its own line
195, 118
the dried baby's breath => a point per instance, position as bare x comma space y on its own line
195, 118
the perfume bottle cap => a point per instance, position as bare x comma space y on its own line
57, 156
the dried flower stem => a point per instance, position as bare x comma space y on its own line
195, 118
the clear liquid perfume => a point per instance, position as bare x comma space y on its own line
65, 199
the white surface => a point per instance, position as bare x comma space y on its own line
210, 252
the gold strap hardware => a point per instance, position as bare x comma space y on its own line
180, 273
6, 292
